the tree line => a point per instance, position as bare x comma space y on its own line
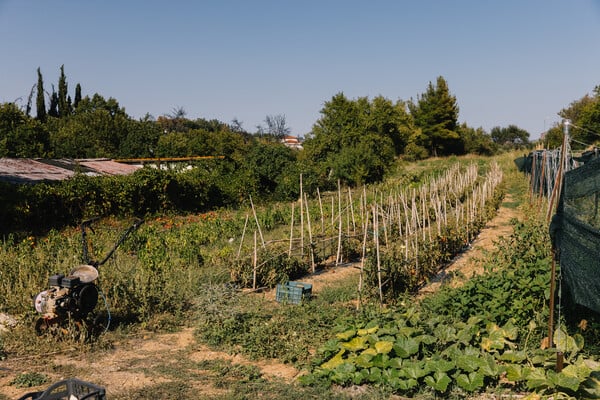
355, 141
584, 115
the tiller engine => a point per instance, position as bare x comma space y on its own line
74, 296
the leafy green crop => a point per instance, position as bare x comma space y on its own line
467, 339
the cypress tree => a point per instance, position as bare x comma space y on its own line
63, 106
77, 95
53, 109
40, 99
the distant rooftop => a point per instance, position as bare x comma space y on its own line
30, 170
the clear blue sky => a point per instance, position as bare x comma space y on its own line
507, 62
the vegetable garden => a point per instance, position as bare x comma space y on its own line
187, 270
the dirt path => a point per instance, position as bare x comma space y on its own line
129, 364
470, 263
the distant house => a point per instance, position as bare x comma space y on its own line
292, 142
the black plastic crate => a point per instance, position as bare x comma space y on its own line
69, 389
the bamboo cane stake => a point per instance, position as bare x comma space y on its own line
321, 209
262, 239
376, 234
242, 239
352, 211
255, 261
362, 258
291, 232
301, 220
338, 257
312, 253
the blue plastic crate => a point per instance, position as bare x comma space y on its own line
293, 292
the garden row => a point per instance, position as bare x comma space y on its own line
400, 236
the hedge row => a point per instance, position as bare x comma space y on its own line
42, 206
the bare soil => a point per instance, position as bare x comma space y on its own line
126, 366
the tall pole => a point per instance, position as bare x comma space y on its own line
555, 190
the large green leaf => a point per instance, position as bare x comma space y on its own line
538, 380
445, 334
514, 373
367, 331
469, 363
471, 382
346, 335
357, 343
395, 363
405, 347
374, 375
414, 369
380, 360
566, 343
562, 380
439, 381
513, 356
490, 367
335, 361
440, 365
343, 373
384, 347
364, 360
407, 384
360, 377
591, 386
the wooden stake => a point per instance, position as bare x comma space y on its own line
362, 258
301, 220
242, 239
255, 262
291, 232
312, 253
376, 234
338, 257
321, 208
262, 239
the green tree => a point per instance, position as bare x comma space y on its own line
477, 141
435, 113
269, 164
510, 137
63, 104
586, 120
77, 96
20, 135
345, 126
40, 98
96, 129
53, 108
390, 120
